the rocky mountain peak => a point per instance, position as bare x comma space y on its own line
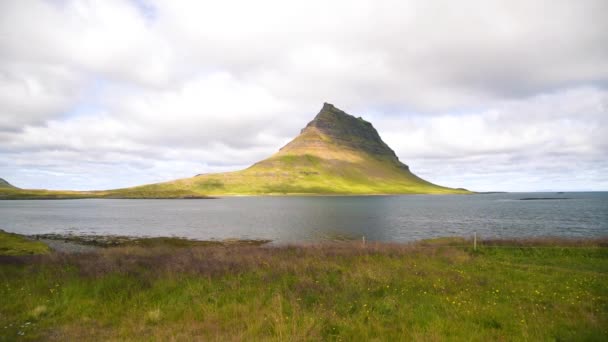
350, 132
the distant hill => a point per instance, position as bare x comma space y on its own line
336, 153
6, 185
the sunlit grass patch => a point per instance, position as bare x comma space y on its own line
14, 244
38, 312
153, 316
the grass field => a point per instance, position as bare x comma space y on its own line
14, 244
434, 290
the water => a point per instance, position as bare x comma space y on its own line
301, 219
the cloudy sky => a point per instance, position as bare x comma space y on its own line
487, 95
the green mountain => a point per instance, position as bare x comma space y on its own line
336, 153
6, 185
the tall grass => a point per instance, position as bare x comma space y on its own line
346, 291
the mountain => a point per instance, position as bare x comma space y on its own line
6, 185
336, 153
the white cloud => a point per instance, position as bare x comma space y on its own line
154, 89
30, 94
540, 142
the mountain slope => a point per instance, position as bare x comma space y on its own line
6, 185
9, 191
335, 153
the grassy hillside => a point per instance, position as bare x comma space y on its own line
302, 174
431, 291
14, 244
6, 185
335, 153
8, 193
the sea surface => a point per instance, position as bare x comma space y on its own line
311, 219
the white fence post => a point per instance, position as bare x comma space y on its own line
474, 241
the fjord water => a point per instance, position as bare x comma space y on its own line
308, 219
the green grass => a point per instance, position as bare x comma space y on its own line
14, 244
347, 173
24, 194
153, 191
436, 290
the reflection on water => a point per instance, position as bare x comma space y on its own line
291, 219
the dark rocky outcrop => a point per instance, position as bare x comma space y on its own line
348, 132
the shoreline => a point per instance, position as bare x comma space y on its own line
82, 243
68, 242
